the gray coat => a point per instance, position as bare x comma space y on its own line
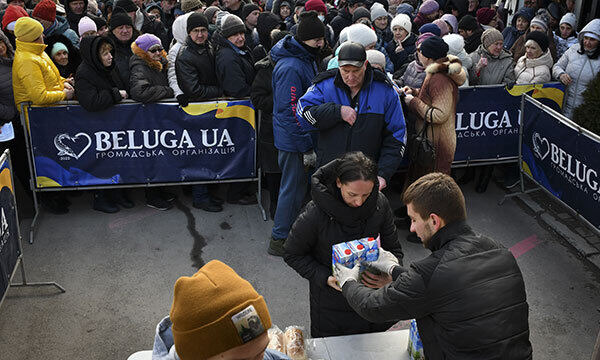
579, 67
7, 102
414, 76
498, 71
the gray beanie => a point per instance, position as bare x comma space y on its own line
377, 11
569, 18
210, 12
231, 25
540, 21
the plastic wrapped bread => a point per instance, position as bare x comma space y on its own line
276, 339
294, 343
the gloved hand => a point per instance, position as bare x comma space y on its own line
309, 159
385, 263
343, 274
183, 100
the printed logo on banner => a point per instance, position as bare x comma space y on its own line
538, 144
480, 124
144, 143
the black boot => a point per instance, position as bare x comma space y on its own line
484, 179
467, 176
103, 203
121, 198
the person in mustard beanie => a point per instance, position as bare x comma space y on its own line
216, 314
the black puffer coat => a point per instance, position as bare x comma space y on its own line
195, 68
122, 55
341, 21
96, 86
468, 298
235, 68
148, 79
327, 221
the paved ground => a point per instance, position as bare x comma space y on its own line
119, 272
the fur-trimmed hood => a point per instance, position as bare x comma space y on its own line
451, 66
157, 65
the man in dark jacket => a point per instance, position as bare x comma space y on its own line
75, 10
143, 22
344, 17
355, 108
196, 77
468, 296
295, 66
122, 34
250, 18
469, 29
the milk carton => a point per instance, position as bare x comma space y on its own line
371, 248
342, 254
355, 252
358, 248
415, 346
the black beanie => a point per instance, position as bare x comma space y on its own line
468, 22
310, 27
127, 5
248, 9
361, 12
434, 48
119, 17
540, 38
196, 20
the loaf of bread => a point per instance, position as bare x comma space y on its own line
294, 343
276, 341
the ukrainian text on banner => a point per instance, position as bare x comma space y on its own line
137, 143
487, 119
9, 235
563, 160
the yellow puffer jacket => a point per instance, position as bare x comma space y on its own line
35, 77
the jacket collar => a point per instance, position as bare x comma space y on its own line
31, 47
448, 233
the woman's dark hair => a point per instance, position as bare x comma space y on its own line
356, 166
582, 51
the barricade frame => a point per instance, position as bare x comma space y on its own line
524, 175
25, 106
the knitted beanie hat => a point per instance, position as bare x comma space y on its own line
146, 41
99, 21
45, 10
310, 27
405, 8
231, 25
362, 34
456, 43
316, 5
210, 12
127, 5
451, 19
431, 28
220, 16
485, 15
403, 21
569, 18
191, 5
423, 37
196, 20
58, 46
375, 57
28, 29
490, 36
215, 310
361, 12
119, 17
540, 21
428, 7
86, 24
248, 9
468, 22
377, 11
434, 48
540, 38
12, 14
442, 25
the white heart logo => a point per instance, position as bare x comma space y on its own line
541, 146
64, 149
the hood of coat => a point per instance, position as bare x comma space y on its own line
545, 59
592, 27
525, 12
10, 52
450, 66
59, 27
90, 46
71, 16
328, 198
180, 28
289, 47
266, 23
157, 65
74, 55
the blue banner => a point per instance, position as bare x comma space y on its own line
9, 232
487, 119
563, 160
143, 143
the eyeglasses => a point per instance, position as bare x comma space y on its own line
153, 50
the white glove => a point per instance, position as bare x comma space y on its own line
385, 263
343, 274
309, 159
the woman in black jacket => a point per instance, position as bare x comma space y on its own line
346, 205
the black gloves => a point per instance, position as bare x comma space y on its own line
183, 100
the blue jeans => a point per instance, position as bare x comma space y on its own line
291, 192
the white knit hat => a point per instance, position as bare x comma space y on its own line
377, 11
376, 57
403, 21
362, 34
456, 43
570, 19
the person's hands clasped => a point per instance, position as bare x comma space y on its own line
348, 114
375, 281
343, 274
69, 93
123, 94
385, 262
565, 79
332, 282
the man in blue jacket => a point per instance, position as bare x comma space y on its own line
355, 108
295, 67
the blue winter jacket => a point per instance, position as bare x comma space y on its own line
61, 26
379, 130
294, 69
510, 33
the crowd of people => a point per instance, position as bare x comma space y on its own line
318, 71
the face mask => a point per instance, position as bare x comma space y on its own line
321, 17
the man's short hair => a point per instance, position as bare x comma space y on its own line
436, 193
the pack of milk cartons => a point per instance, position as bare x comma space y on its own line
355, 252
415, 346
